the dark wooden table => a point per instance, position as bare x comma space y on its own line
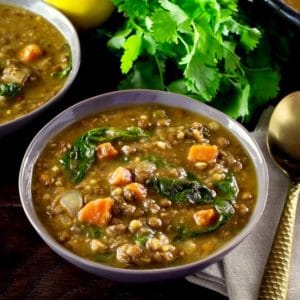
28, 268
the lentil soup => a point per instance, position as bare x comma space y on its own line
34, 62
144, 187
295, 4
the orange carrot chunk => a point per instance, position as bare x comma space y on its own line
136, 190
203, 152
96, 212
30, 53
205, 217
121, 176
106, 150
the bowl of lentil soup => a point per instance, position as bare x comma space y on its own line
39, 59
143, 185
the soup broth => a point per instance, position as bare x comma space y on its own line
295, 4
144, 187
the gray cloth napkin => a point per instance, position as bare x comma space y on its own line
239, 274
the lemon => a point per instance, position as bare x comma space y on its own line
85, 14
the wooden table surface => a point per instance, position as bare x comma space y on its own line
28, 268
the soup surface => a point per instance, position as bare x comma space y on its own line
34, 62
294, 4
144, 187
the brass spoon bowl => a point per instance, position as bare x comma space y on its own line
283, 142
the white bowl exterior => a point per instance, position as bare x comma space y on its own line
125, 98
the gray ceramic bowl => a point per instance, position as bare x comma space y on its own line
116, 100
65, 27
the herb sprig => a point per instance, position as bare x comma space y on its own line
205, 43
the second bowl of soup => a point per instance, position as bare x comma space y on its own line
39, 59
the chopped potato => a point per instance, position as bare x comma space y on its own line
120, 176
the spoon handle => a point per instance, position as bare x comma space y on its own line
276, 276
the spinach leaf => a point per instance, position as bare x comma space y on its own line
10, 90
65, 71
227, 191
101, 135
228, 188
182, 190
225, 211
81, 156
191, 176
79, 159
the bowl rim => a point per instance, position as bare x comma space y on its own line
285, 10
53, 17
234, 127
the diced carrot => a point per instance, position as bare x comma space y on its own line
120, 177
203, 152
106, 150
205, 217
30, 53
136, 190
96, 212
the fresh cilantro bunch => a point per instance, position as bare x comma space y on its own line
200, 48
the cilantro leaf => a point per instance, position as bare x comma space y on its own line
149, 44
164, 27
132, 48
239, 103
231, 60
264, 83
204, 49
207, 85
176, 12
144, 75
250, 38
118, 40
178, 86
132, 8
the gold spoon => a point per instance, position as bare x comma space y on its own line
283, 142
